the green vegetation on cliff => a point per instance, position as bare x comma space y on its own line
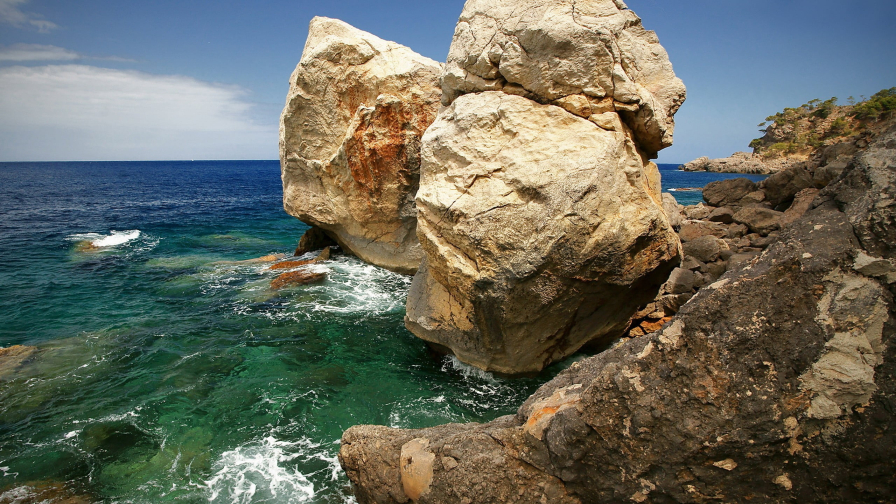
802, 130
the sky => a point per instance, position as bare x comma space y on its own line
207, 79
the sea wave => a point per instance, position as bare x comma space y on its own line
113, 239
254, 473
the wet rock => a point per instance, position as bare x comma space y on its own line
294, 278
40, 492
759, 220
323, 256
314, 238
350, 141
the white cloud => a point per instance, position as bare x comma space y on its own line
79, 112
40, 52
36, 52
10, 13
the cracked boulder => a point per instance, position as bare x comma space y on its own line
776, 383
350, 141
591, 57
542, 232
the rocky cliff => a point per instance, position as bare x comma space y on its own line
774, 383
540, 213
811, 135
350, 141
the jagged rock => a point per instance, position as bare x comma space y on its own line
774, 384
592, 58
542, 232
350, 138
728, 193
759, 220
781, 187
802, 201
868, 191
673, 210
314, 238
739, 162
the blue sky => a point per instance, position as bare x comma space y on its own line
123, 80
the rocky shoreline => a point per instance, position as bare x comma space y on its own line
749, 336
741, 162
773, 382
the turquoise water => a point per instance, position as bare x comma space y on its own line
167, 370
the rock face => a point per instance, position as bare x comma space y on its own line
350, 141
539, 213
528, 257
593, 58
775, 383
741, 162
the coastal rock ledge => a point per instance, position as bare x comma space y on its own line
350, 141
776, 383
540, 213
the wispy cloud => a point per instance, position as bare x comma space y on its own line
72, 112
40, 52
36, 52
10, 13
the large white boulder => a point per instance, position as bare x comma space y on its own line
542, 232
350, 141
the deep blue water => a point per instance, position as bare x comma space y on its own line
674, 179
167, 369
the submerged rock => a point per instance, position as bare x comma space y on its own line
776, 383
12, 357
542, 232
323, 256
350, 140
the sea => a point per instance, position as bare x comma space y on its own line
165, 369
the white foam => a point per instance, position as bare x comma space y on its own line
253, 474
116, 238
113, 239
468, 371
